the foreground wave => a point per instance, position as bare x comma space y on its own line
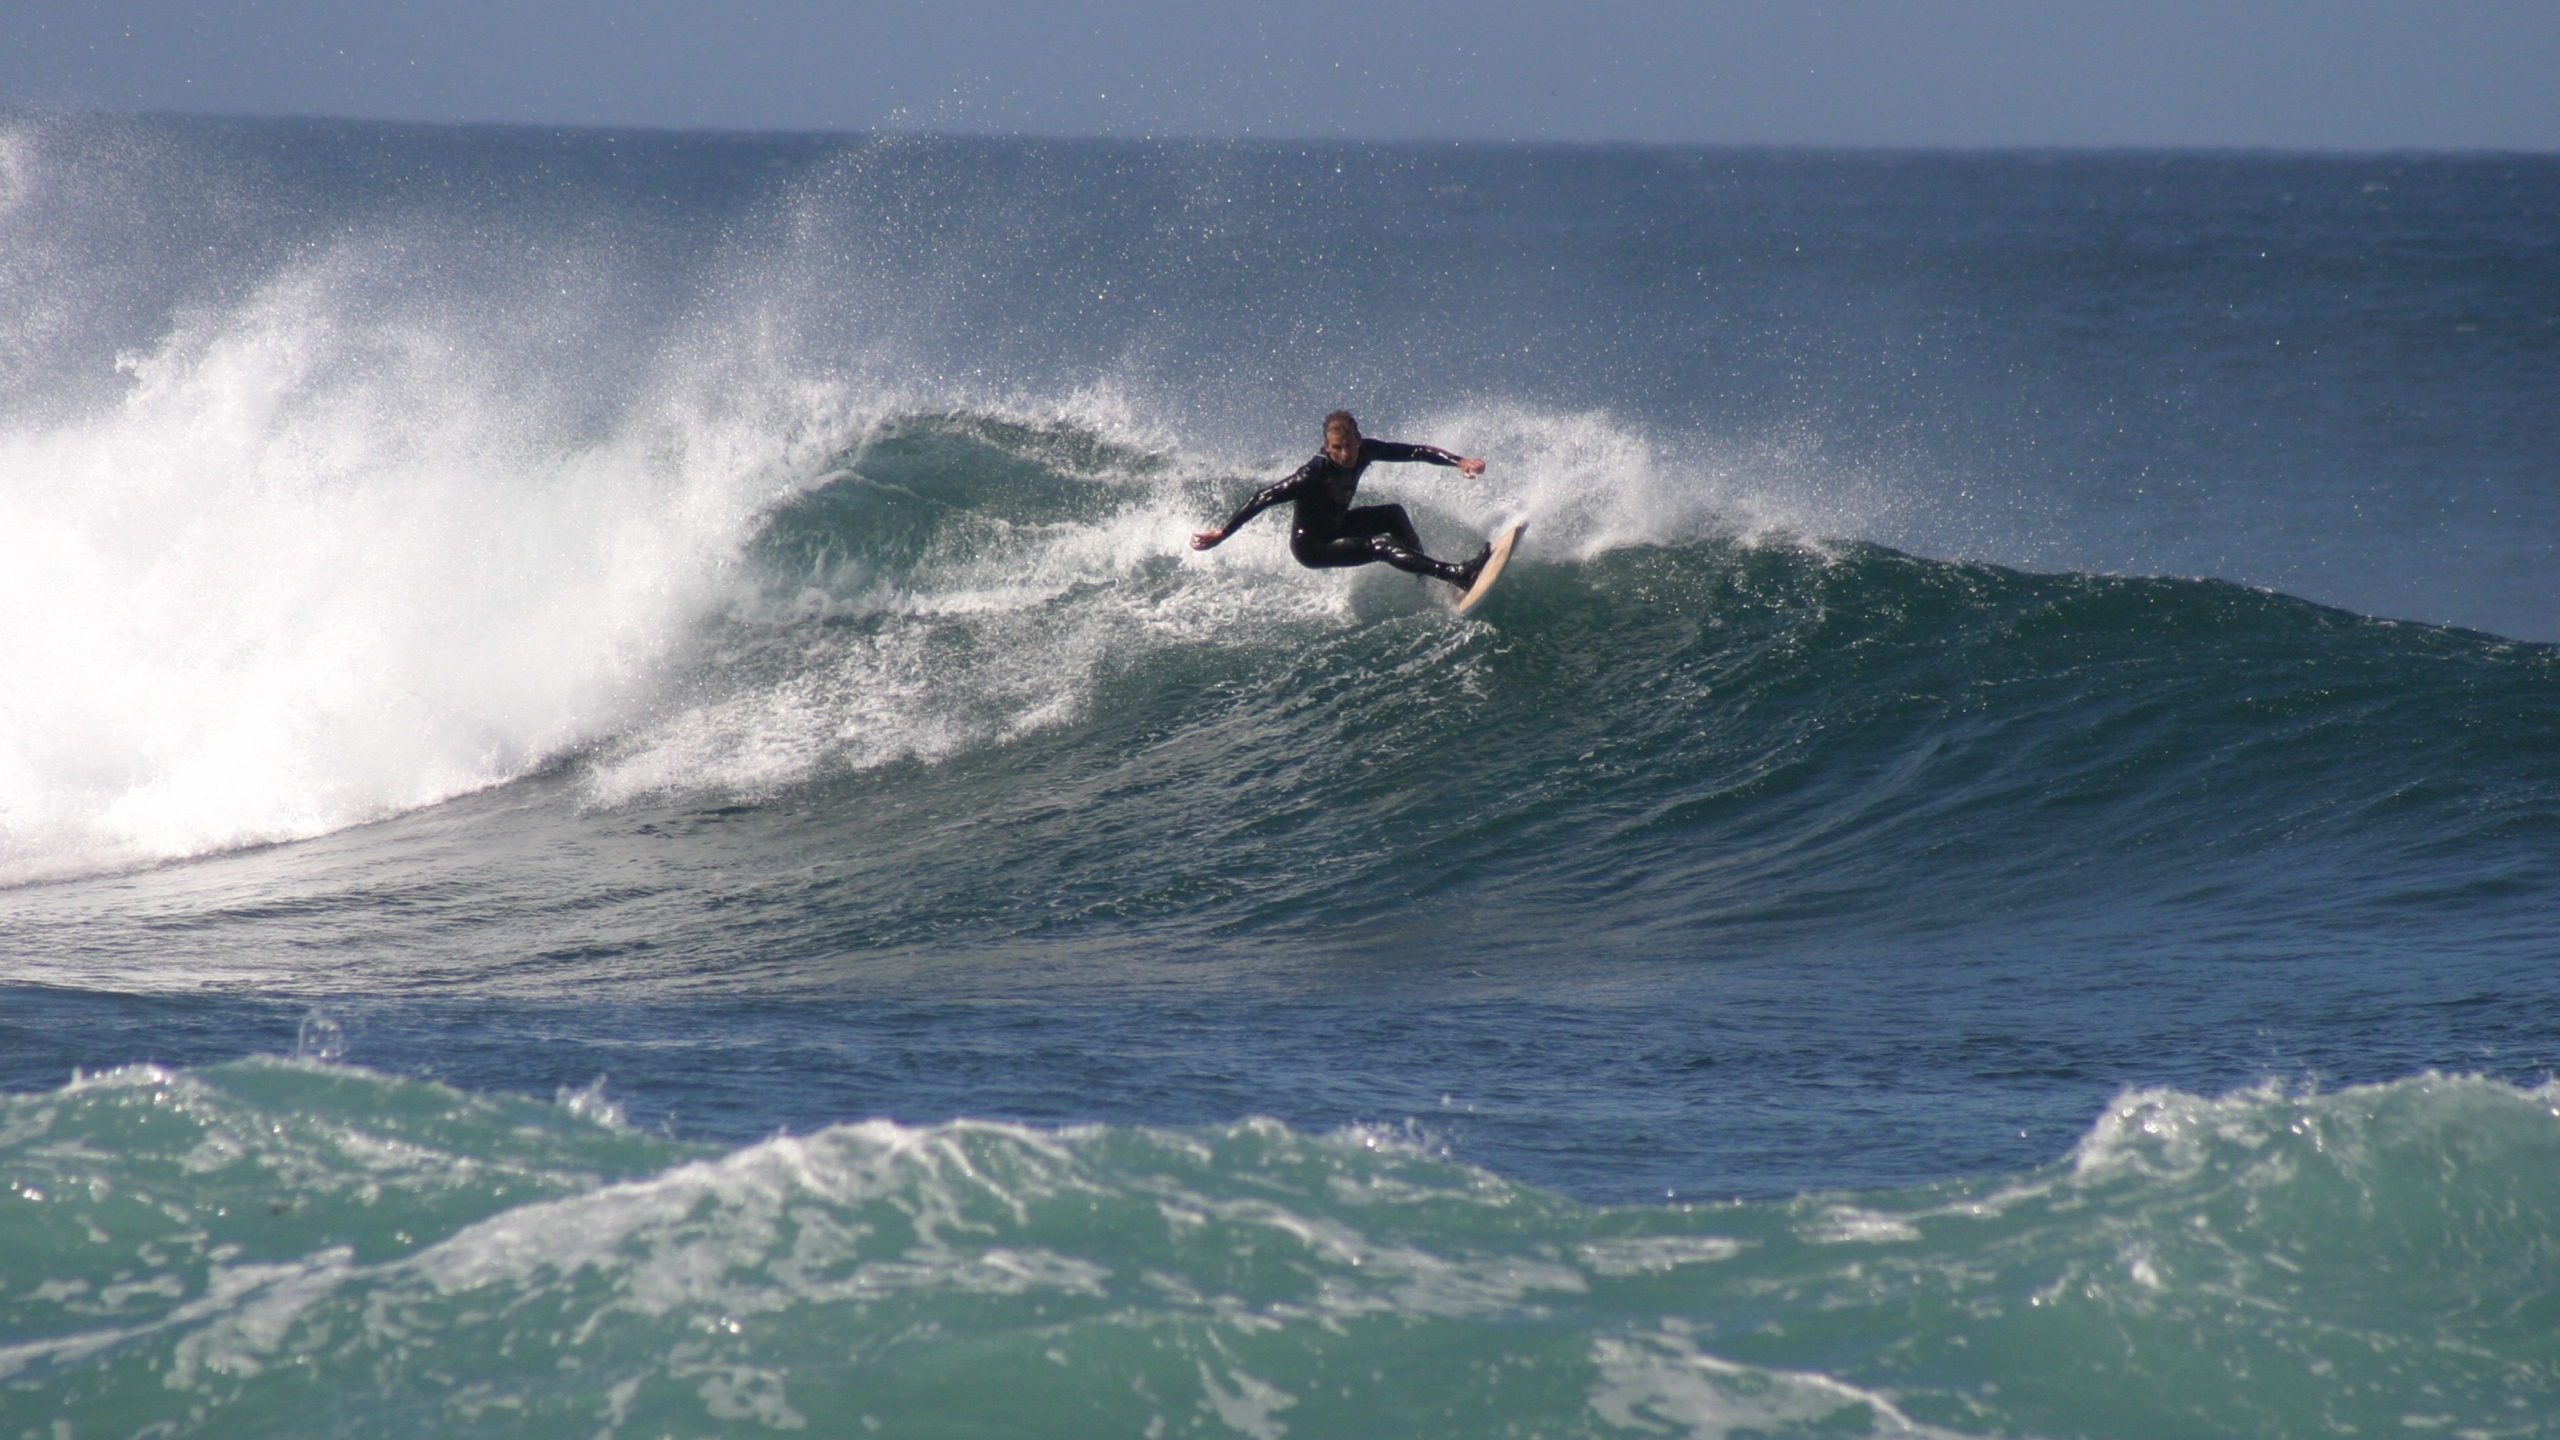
274, 1246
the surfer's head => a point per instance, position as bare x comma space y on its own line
1341, 438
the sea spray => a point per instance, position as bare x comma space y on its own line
274, 594
379, 531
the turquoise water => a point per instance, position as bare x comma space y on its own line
274, 1247
623, 811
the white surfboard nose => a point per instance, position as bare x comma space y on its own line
1493, 564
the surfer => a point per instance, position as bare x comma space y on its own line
1328, 532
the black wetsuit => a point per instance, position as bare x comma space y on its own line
1328, 532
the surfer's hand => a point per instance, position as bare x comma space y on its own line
1470, 468
1207, 538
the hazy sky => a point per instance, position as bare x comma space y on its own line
2455, 74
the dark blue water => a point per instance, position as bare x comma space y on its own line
1998, 635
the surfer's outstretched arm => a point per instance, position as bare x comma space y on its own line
1394, 452
1270, 496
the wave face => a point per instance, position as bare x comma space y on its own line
1657, 744
276, 1246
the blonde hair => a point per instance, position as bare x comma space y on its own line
1341, 420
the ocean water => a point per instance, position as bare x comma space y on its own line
623, 812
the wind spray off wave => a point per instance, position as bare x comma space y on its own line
381, 517
326, 561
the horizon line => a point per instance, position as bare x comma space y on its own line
2229, 149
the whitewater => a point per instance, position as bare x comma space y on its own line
623, 810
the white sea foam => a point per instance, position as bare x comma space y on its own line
1659, 1382
1591, 481
330, 558
1654, 1254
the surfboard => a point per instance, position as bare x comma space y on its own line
1493, 564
